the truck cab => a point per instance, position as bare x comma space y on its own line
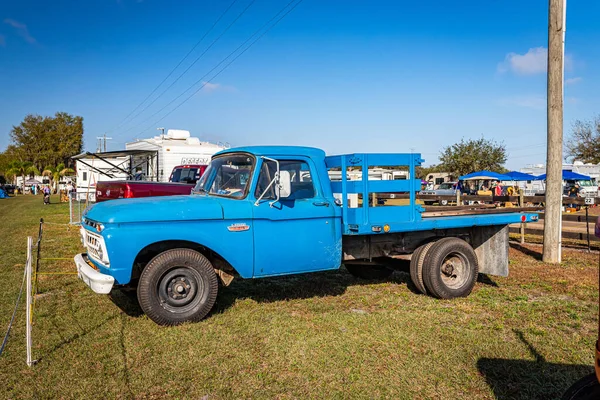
273, 210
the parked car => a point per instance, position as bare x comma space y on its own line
586, 188
445, 189
9, 189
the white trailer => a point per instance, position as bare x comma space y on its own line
175, 148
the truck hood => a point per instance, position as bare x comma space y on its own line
156, 209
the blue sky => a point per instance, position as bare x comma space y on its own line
343, 75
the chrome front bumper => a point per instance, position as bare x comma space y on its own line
97, 281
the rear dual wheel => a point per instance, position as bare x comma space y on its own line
445, 269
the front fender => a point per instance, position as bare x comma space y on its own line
125, 241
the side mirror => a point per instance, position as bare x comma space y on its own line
284, 186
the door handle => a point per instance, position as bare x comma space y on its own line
321, 203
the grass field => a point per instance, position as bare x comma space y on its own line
325, 335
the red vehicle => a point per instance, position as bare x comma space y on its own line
182, 180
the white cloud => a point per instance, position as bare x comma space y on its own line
572, 81
535, 102
209, 87
2, 41
573, 100
21, 30
533, 62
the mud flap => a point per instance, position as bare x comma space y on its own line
491, 247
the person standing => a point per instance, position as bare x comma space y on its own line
574, 192
498, 189
46, 195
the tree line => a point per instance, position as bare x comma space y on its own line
466, 156
42, 145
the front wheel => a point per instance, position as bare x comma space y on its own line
177, 286
450, 268
367, 271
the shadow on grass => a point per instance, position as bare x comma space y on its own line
526, 379
127, 301
303, 286
265, 290
68, 340
486, 280
529, 252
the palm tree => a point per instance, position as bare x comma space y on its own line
55, 173
22, 169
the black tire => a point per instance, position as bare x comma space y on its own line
177, 286
587, 388
428, 203
416, 266
367, 271
450, 268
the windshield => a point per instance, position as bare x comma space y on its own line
227, 176
446, 186
187, 175
585, 183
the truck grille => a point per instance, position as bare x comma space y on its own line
93, 243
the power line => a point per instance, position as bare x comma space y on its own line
178, 64
196, 60
227, 65
221, 62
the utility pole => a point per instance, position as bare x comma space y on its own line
101, 143
556, 49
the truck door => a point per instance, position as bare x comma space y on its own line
300, 233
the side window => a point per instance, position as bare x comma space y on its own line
302, 186
267, 172
84, 177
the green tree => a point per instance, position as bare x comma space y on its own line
47, 140
55, 173
23, 169
473, 155
584, 141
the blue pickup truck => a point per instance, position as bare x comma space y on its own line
279, 210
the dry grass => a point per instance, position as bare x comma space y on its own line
324, 335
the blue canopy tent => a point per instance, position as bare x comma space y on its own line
568, 175
485, 175
520, 176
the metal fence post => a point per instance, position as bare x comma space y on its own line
587, 226
29, 265
523, 225
71, 207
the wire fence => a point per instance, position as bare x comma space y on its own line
77, 206
30, 283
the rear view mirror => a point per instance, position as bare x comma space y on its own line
284, 186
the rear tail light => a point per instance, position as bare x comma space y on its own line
128, 193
